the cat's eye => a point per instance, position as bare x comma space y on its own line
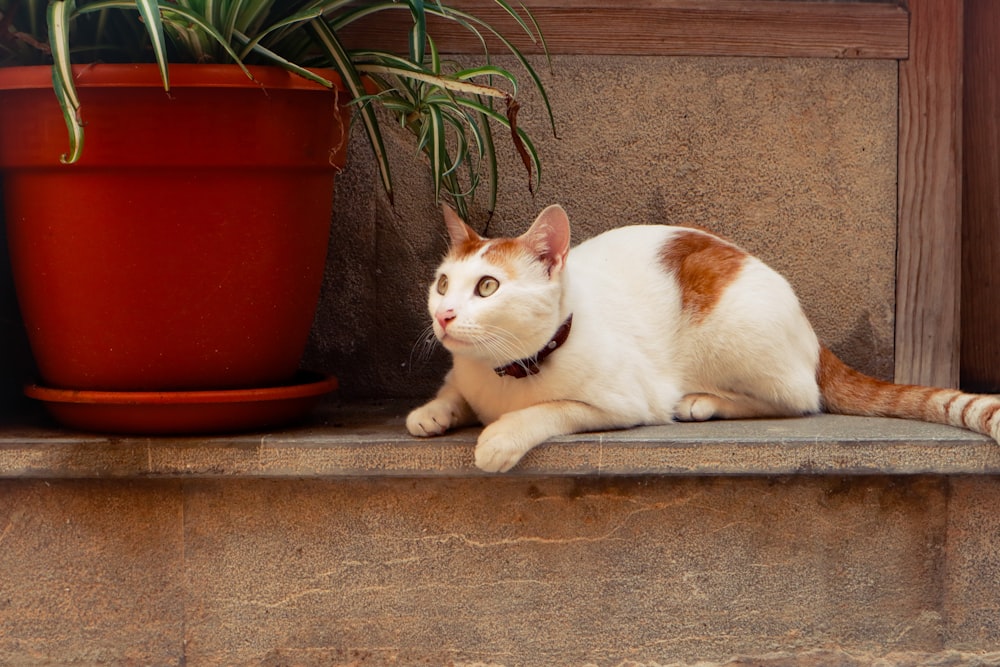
488, 285
442, 284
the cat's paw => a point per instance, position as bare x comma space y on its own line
497, 450
696, 408
431, 419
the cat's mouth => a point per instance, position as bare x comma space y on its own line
450, 340
460, 345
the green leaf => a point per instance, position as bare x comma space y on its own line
435, 57
418, 33
58, 16
517, 17
294, 19
490, 71
172, 11
150, 11
251, 15
73, 124
444, 105
454, 13
529, 147
489, 153
284, 62
232, 13
433, 79
327, 40
436, 149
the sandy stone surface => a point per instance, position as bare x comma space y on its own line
830, 571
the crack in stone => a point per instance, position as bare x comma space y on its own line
608, 535
290, 599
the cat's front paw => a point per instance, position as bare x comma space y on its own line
498, 450
431, 419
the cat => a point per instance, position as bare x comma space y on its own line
639, 325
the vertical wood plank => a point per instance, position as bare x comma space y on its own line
980, 362
930, 201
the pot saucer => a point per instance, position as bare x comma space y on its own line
185, 412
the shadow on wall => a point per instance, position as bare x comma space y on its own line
16, 365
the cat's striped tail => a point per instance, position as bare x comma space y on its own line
845, 391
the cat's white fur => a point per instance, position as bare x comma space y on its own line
642, 348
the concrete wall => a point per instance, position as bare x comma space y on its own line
795, 159
502, 571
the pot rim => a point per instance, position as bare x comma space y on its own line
304, 384
182, 75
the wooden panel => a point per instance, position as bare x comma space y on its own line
980, 363
930, 167
679, 27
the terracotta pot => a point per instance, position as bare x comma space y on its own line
186, 249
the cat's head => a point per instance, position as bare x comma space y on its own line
499, 299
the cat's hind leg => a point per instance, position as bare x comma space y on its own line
703, 406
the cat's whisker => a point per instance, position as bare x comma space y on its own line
423, 348
501, 344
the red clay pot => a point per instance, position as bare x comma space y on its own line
185, 250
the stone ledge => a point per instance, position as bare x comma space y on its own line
814, 658
369, 440
835, 658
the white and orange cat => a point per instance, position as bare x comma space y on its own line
639, 325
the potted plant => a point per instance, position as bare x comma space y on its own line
167, 223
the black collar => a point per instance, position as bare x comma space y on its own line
530, 366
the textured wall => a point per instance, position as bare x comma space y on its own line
794, 159
500, 571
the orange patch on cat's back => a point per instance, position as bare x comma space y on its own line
704, 266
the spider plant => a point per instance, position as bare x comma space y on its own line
450, 109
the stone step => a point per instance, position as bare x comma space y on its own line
364, 439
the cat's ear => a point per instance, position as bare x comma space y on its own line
459, 232
549, 237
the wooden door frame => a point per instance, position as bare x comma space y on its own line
929, 205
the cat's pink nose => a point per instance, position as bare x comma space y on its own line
445, 317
